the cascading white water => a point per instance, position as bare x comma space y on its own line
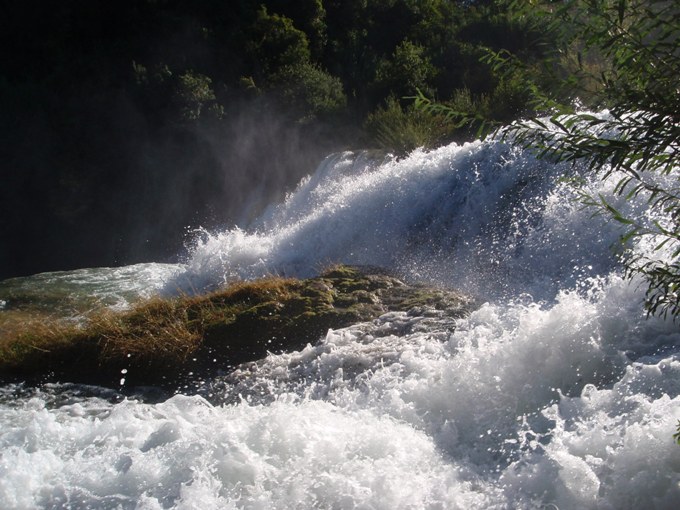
482, 217
556, 393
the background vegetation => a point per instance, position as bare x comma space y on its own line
124, 123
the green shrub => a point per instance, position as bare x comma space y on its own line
195, 94
400, 130
309, 90
407, 71
276, 42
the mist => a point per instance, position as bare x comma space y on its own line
141, 199
99, 163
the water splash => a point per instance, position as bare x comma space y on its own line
481, 217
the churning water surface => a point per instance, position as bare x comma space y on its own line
557, 392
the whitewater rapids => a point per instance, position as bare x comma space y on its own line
557, 393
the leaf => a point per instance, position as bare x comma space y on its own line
616, 215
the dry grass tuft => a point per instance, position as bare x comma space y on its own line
156, 330
25, 335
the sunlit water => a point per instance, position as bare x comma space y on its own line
73, 293
556, 393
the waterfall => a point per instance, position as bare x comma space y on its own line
557, 392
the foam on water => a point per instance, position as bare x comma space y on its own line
521, 406
187, 454
555, 393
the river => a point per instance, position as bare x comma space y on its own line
556, 393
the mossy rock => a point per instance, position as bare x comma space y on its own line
170, 343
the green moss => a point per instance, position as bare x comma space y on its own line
341, 272
161, 342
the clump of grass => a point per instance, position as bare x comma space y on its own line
155, 332
155, 328
400, 129
26, 335
172, 329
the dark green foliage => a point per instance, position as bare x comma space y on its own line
477, 114
408, 70
309, 90
277, 43
401, 130
309, 16
195, 94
